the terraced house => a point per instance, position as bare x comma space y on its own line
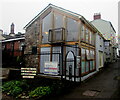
61, 44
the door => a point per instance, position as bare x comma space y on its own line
70, 66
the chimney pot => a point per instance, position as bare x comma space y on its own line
97, 16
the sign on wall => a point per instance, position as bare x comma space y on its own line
28, 72
51, 68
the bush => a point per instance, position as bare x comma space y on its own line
14, 87
40, 91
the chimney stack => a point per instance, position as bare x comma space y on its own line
12, 30
97, 16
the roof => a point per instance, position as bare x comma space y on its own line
53, 6
13, 39
106, 21
9, 38
6, 36
64, 10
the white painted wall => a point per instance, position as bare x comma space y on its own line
99, 48
105, 27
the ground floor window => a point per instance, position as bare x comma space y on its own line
100, 59
49, 54
87, 60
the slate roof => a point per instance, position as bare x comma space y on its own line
9, 38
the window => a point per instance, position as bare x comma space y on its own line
83, 54
92, 62
44, 57
55, 55
21, 46
93, 38
83, 67
87, 60
92, 54
90, 34
46, 26
91, 65
58, 19
87, 66
86, 35
83, 33
34, 50
75, 50
83, 60
72, 30
88, 54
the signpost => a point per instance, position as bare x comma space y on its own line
51, 68
28, 72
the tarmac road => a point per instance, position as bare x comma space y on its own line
105, 84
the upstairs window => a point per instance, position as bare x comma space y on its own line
86, 35
83, 33
46, 26
90, 37
72, 30
93, 38
58, 19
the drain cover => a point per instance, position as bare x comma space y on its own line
91, 93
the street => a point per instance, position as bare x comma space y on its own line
104, 84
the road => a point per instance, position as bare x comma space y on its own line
105, 84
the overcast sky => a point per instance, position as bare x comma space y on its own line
20, 12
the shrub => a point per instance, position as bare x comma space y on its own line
14, 87
40, 91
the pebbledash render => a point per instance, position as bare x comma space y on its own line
60, 43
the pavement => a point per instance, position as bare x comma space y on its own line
105, 84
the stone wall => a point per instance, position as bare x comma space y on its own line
31, 39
